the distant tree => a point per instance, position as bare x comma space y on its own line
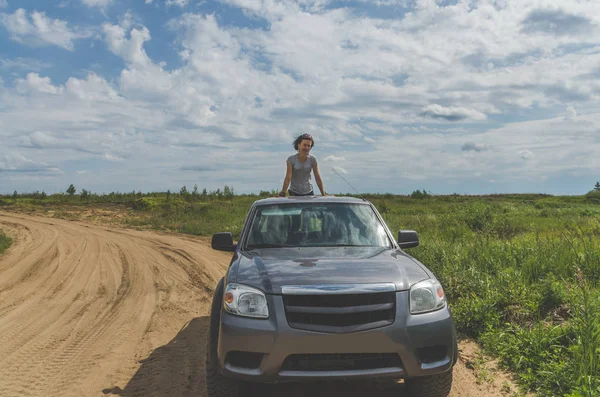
228, 191
15, 194
417, 194
183, 191
71, 190
195, 191
85, 195
597, 187
168, 194
204, 194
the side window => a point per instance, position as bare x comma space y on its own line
246, 228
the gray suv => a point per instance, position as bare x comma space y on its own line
317, 289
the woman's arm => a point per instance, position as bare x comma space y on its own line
319, 180
286, 180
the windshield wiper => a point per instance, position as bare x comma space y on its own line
346, 245
250, 247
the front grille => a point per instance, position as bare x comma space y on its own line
341, 362
340, 313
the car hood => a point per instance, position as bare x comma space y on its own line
270, 269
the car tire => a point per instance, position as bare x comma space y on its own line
216, 384
430, 386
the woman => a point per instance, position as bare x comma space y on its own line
299, 166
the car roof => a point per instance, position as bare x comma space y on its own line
310, 199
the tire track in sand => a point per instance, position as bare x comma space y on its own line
81, 305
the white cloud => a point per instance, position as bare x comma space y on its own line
3, 3
340, 170
112, 157
17, 163
93, 88
384, 92
130, 49
525, 154
97, 3
35, 83
37, 29
180, 3
27, 64
451, 113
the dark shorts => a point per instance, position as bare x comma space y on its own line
292, 193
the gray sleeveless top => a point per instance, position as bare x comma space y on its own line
301, 174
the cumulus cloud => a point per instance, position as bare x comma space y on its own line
38, 30
17, 163
571, 113
451, 113
93, 88
381, 90
129, 48
334, 158
35, 83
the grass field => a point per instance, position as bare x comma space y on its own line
5, 242
521, 272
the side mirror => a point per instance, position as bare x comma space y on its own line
408, 239
223, 241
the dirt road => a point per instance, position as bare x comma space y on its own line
87, 310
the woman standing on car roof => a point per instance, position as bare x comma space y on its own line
299, 166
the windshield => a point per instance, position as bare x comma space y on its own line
316, 225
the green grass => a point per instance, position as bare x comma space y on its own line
5, 242
521, 272
522, 276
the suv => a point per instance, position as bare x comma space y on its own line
319, 289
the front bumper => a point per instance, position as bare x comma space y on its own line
412, 337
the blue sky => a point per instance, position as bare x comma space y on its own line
461, 96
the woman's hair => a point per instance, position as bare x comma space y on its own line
303, 137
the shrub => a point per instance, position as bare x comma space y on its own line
477, 216
5, 242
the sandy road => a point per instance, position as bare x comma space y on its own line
87, 310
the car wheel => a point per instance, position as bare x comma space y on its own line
216, 384
430, 386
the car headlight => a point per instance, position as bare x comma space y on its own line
427, 296
245, 301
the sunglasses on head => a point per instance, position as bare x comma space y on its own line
307, 136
